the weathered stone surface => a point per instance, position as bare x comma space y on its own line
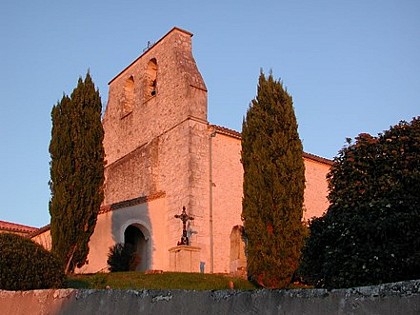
184, 258
394, 298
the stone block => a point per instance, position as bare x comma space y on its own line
184, 258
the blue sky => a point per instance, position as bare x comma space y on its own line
351, 67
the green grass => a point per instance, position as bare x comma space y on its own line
167, 280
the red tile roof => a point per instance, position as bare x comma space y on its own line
16, 228
227, 131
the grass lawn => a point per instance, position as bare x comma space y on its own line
166, 280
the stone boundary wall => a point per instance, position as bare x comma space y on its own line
394, 298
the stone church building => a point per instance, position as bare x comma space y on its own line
162, 154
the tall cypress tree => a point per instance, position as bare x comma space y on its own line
77, 172
274, 182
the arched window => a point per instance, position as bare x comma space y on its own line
128, 98
151, 79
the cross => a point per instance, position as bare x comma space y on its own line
184, 217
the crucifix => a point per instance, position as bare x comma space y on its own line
184, 217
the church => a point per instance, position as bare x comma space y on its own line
162, 155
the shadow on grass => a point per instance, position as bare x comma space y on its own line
167, 280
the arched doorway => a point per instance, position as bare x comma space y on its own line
237, 250
135, 237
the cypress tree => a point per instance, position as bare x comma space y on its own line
274, 183
77, 172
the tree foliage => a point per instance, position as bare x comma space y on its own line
25, 265
371, 232
77, 172
274, 183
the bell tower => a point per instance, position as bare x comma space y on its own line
157, 91
156, 146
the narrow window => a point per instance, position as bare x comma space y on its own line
128, 98
151, 79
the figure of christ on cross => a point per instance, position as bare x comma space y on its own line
184, 217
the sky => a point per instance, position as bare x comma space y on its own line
350, 66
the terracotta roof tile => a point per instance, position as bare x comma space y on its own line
227, 131
14, 227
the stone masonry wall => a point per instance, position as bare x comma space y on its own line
43, 238
157, 145
227, 195
386, 299
182, 171
179, 86
316, 190
110, 229
134, 175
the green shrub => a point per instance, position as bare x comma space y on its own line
121, 257
371, 232
25, 265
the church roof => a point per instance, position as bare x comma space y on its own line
237, 135
227, 131
317, 158
16, 228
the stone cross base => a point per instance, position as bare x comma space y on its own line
184, 258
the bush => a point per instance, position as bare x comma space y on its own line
25, 265
121, 257
370, 233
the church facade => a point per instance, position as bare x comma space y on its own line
162, 154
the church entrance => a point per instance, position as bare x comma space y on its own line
135, 237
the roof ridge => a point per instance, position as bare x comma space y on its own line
10, 226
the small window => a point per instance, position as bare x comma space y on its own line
128, 98
151, 79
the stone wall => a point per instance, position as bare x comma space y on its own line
316, 186
180, 93
134, 175
110, 227
158, 141
388, 299
227, 195
43, 237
